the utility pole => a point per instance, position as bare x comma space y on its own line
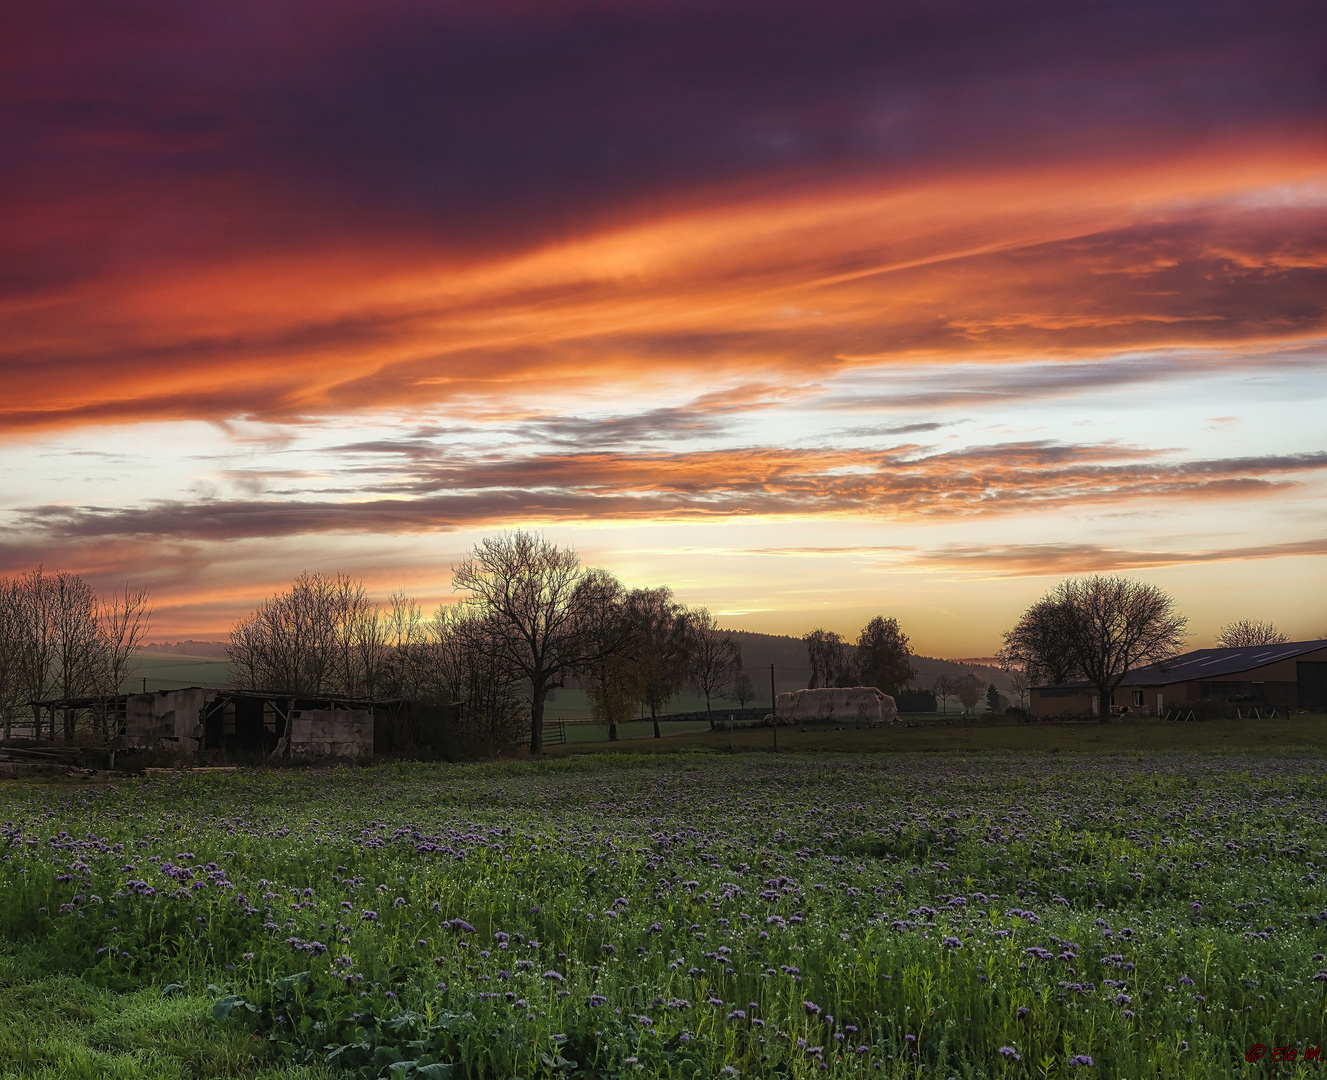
774, 706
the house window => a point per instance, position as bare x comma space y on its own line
1137, 699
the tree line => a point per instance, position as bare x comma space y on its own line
880, 658
60, 640
532, 620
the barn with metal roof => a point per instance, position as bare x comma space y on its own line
1291, 675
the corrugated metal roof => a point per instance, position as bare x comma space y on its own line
1209, 663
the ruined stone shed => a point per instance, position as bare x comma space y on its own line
205, 722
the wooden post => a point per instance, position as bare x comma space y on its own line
774, 706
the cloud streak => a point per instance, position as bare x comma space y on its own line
899, 484
1059, 560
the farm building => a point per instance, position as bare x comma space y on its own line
1287, 676
203, 723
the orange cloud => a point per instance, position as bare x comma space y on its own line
429, 495
1041, 263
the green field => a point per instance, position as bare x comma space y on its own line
701, 914
170, 671
1141, 735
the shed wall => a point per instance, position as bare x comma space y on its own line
332, 733
166, 720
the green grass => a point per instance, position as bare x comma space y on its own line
695, 915
1129, 735
60, 1027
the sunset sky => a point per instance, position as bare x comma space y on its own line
814, 311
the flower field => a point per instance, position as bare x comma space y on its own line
695, 916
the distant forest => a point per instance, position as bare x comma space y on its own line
787, 653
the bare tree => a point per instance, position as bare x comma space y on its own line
970, 690
1245, 632
612, 636
1019, 681
661, 659
827, 653
742, 689
883, 653
464, 667
359, 646
1098, 629
325, 635
405, 632
57, 639
1020, 684
296, 641
37, 638
714, 656
1040, 644
124, 621
11, 644
531, 590
73, 609
945, 687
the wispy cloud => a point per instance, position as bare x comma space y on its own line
1058, 560
901, 483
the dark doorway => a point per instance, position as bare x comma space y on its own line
1312, 676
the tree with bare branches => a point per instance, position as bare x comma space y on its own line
661, 659
1245, 632
969, 689
1019, 681
124, 620
325, 635
945, 687
296, 641
58, 639
1098, 629
11, 642
37, 639
463, 667
714, 657
743, 689
1040, 644
612, 637
539, 599
1020, 684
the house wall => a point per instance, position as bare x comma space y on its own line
1060, 701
